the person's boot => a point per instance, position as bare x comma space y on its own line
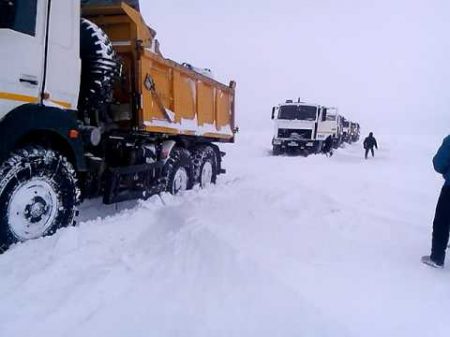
429, 262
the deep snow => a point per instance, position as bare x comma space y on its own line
281, 246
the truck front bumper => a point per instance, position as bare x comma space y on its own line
300, 144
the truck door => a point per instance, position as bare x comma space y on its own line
22, 30
321, 113
62, 82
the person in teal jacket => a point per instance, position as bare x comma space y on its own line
441, 223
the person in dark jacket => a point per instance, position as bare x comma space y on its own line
369, 143
328, 146
441, 223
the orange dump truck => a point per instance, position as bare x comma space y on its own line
94, 109
173, 99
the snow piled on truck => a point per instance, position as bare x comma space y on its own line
282, 246
191, 126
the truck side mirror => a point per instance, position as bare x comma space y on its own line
273, 113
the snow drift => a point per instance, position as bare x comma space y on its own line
281, 246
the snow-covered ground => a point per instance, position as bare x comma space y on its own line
281, 246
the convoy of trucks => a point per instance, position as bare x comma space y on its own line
303, 128
351, 131
90, 108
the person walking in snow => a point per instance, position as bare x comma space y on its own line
369, 143
328, 146
441, 223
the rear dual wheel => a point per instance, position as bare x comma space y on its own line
184, 169
179, 171
205, 165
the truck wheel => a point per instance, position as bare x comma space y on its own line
38, 195
178, 171
305, 153
205, 166
99, 70
276, 150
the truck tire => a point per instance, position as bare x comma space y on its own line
276, 150
178, 171
99, 70
38, 195
205, 166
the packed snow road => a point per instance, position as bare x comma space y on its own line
282, 246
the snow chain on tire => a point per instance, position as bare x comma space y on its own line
179, 158
201, 155
28, 180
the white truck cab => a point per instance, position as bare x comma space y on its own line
38, 52
296, 127
354, 131
331, 126
346, 130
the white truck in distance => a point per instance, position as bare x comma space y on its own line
354, 132
350, 131
332, 126
296, 127
346, 130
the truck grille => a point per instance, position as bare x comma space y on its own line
295, 133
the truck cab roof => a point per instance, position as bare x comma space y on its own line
299, 104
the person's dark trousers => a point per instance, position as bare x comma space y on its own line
370, 149
441, 227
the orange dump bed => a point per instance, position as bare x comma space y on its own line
159, 95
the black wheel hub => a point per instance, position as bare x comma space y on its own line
36, 210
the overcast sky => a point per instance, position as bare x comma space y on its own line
385, 63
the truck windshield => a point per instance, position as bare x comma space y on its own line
298, 112
331, 118
346, 124
18, 15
